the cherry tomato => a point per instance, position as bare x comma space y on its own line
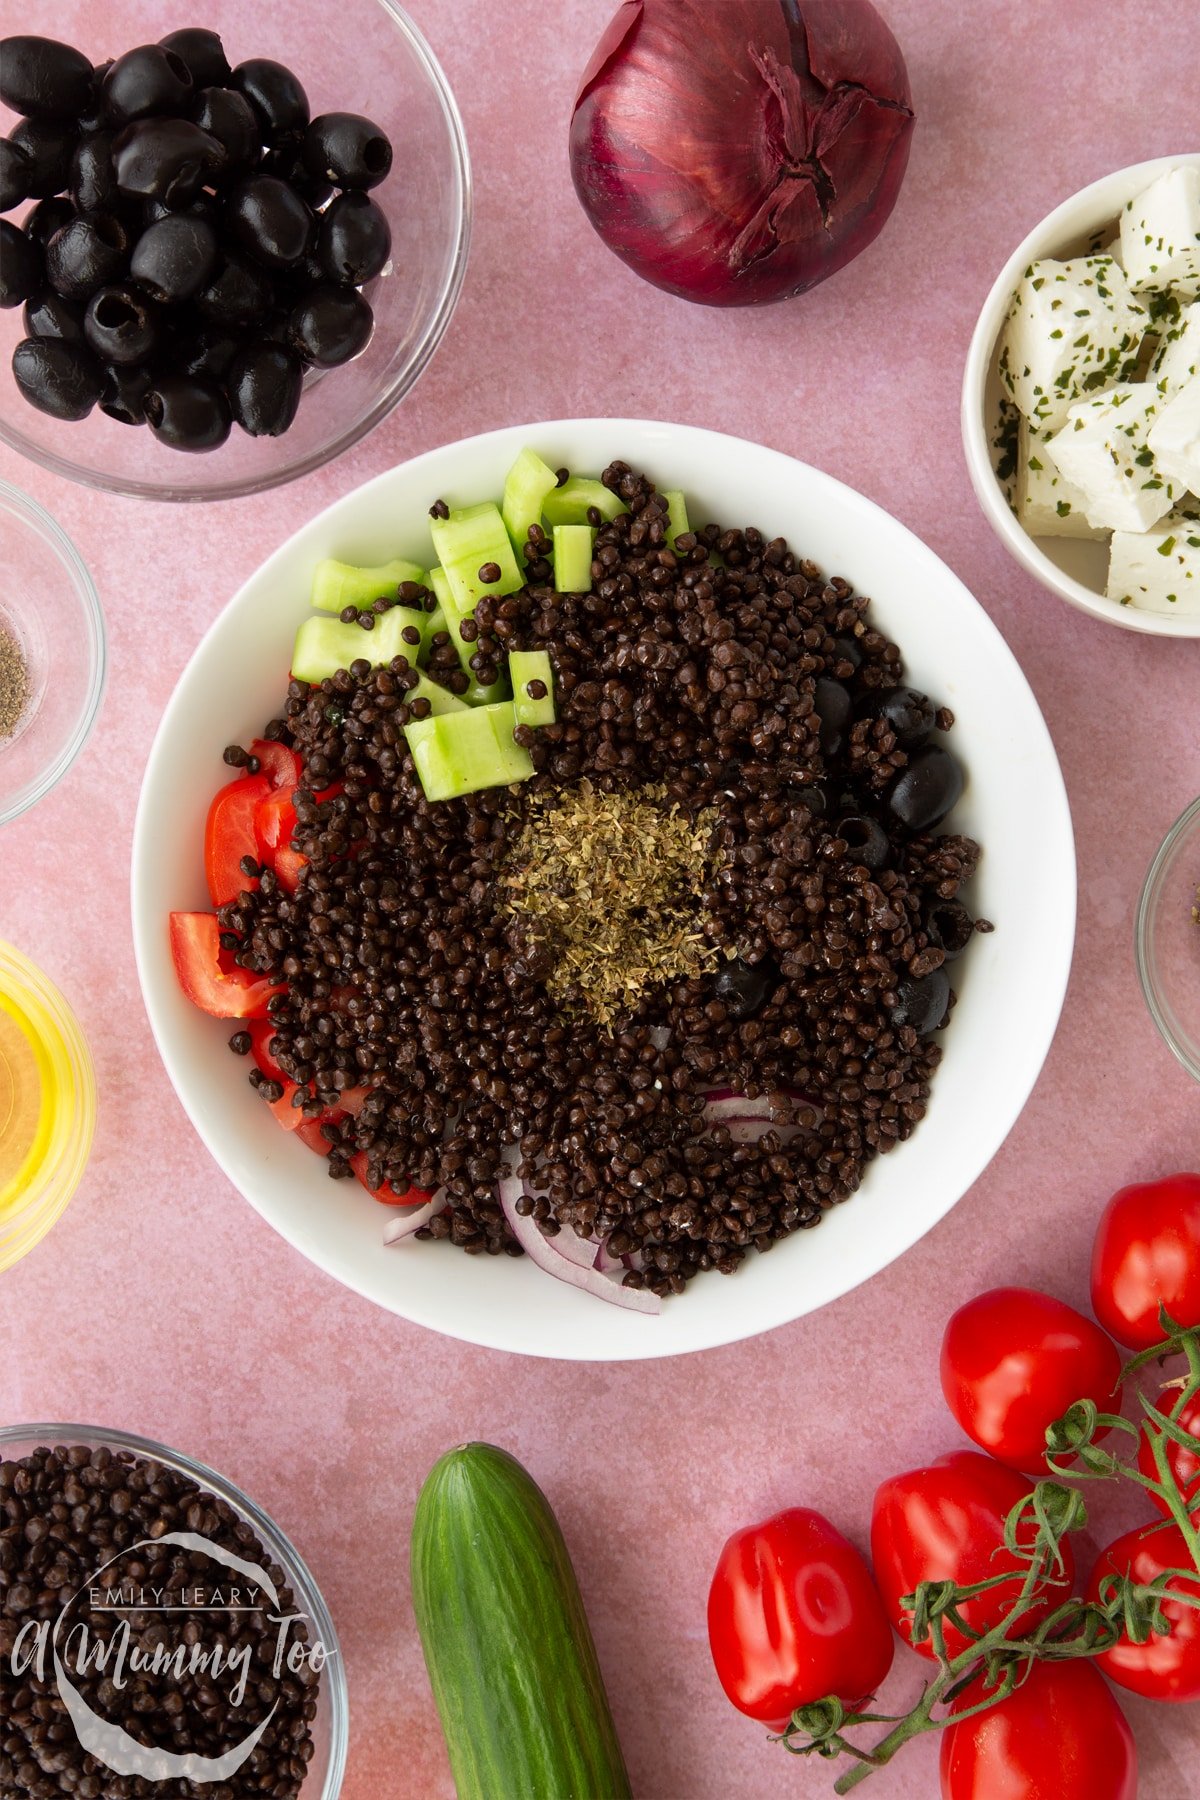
309, 1132
208, 978
1165, 1667
261, 1033
1060, 1736
281, 766
793, 1616
229, 835
945, 1522
1184, 1463
1013, 1361
386, 1195
274, 821
1147, 1254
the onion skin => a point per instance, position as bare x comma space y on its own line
741, 153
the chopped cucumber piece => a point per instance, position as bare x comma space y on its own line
435, 622
338, 584
440, 699
677, 519
475, 695
466, 542
529, 481
325, 645
461, 752
526, 666
573, 559
568, 504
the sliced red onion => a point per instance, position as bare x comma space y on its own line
568, 1243
412, 1219
660, 1036
541, 1251
606, 1262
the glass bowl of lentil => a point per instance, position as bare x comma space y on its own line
1009, 994
126, 1483
1167, 939
370, 58
52, 652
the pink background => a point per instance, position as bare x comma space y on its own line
162, 1304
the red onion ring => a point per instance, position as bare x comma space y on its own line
412, 1219
542, 1252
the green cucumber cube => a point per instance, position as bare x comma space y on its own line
462, 752
528, 482
677, 519
525, 666
573, 559
440, 699
324, 645
475, 695
466, 542
568, 504
338, 584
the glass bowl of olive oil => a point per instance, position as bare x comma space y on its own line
47, 1104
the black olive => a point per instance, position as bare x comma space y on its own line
264, 385
166, 159
47, 217
187, 413
950, 926
94, 117
86, 254
274, 93
865, 839
354, 240
48, 146
237, 293
845, 650
270, 221
814, 798
204, 349
202, 54
123, 393
347, 150
50, 316
43, 78
923, 1003
230, 118
910, 715
741, 987
330, 325
205, 206
928, 789
285, 158
60, 379
92, 183
174, 259
16, 169
20, 265
121, 325
832, 703
146, 81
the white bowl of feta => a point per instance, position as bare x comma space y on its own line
1081, 399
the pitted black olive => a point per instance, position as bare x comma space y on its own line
16, 171
263, 385
832, 703
202, 54
346, 150
44, 79
48, 315
274, 93
865, 839
123, 392
950, 926
928, 789
166, 159
741, 987
93, 178
174, 259
230, 118
270, 222
86, 254
923, 1003
58, 378
330, 325
20, 265
47, 145
145, 82
121, 325
354, 240
911, 715
187, 413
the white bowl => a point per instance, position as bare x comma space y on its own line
1012, 983
1073, 568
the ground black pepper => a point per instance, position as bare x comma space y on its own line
14, 683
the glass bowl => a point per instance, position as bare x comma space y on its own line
47, 1104
331, 1727
50, 611
1167, 939
367, 57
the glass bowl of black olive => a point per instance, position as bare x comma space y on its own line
220, 269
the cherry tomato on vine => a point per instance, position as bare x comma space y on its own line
1183, 1462
945, 1522
1060, 1736
1146, 1254
793, 1616
1013, 1361
1166, 1666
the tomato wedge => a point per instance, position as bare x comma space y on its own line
261, 1033
387, 1195
208, 978
281, 766
229, 835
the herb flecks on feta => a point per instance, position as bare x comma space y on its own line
1157, 571
1175, 436
1104, 449
1046, 503
1177, 358
1072, 327
1160, 235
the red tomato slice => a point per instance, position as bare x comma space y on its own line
261, 1033
309, 1132
287, 864
281, 766
209, 980
274, 821
387, 1195
229, 835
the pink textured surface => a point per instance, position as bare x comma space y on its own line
162, 1304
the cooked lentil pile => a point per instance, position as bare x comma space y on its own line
745, 687
65, 1511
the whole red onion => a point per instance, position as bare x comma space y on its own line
740, 152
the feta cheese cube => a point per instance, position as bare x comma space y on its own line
1072, 327
1177, 358
1158, 570
1046, 503
1175, 436
1160, 235
1103, 449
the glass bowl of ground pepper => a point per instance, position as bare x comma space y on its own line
1167, 939
52, 652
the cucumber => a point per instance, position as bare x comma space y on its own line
573, 559
461, 750
529, 481
476, 695
324, 645
525, 666
467, 541
507, 1643
568, 504
338, 584
677, 519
